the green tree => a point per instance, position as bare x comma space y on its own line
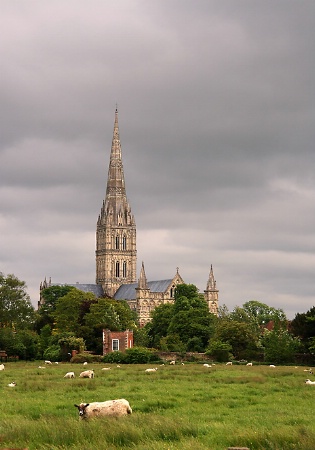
16, 310
279, 346
157, 328
239, 335
303, 326
264, 313
67, 314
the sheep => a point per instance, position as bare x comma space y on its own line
1, 366
87, 374
85, 363
106, 368
249, 364
115, 408
69, 375
173, 363
229, 363
272, 365
48, 362
151, 370
41, 367
309, 382
13, 384
206, 365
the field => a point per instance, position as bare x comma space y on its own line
177, 407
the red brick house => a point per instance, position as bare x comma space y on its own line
117, 341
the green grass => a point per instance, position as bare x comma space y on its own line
177, 407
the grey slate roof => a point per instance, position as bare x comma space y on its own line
127, 291
95, 289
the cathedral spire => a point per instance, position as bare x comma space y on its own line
116, 228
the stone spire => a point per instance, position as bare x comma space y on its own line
116, 227
142, 282
212, 293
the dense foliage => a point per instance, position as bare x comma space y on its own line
70, 319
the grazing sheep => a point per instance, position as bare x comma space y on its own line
48, 362
249, 364
229, 363
13, 384
106, 368
85, 363
151, 370
309, 382
69, 375
87, 374
272, 365
118, 366
206, 365
41, 367
115, 408
173, 363
1, 366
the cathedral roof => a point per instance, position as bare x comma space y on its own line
128, 291
95, 289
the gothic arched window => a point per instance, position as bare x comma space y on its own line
124, 243
117, 268
117, 243
124, 269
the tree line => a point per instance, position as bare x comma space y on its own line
70, 319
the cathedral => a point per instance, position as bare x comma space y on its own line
116, 251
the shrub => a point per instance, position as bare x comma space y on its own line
140, 355
52, 353
115, 357
80, 358
219, 350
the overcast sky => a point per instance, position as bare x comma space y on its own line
216, 116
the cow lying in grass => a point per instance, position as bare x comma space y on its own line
114, 408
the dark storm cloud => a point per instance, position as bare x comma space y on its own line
216, 114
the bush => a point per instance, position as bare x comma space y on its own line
80, 358
115, 357
219, 350
52, 353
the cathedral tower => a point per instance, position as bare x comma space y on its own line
116, 251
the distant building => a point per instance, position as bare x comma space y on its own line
116, 251
117, 341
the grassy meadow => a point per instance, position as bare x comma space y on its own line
177, 407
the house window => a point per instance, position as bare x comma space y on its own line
115, 345
117, 242
124, 243
117, 268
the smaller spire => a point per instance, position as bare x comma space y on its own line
211, 285
142, 283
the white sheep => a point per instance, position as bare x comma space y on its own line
309, 382
249, 364
206, 365
272, 365
48, 362
106, 368
151, 370
87, 374
13, 384
69, 375
173, 363
116, 408
85, 363
41, 367
1, 366
229, 363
